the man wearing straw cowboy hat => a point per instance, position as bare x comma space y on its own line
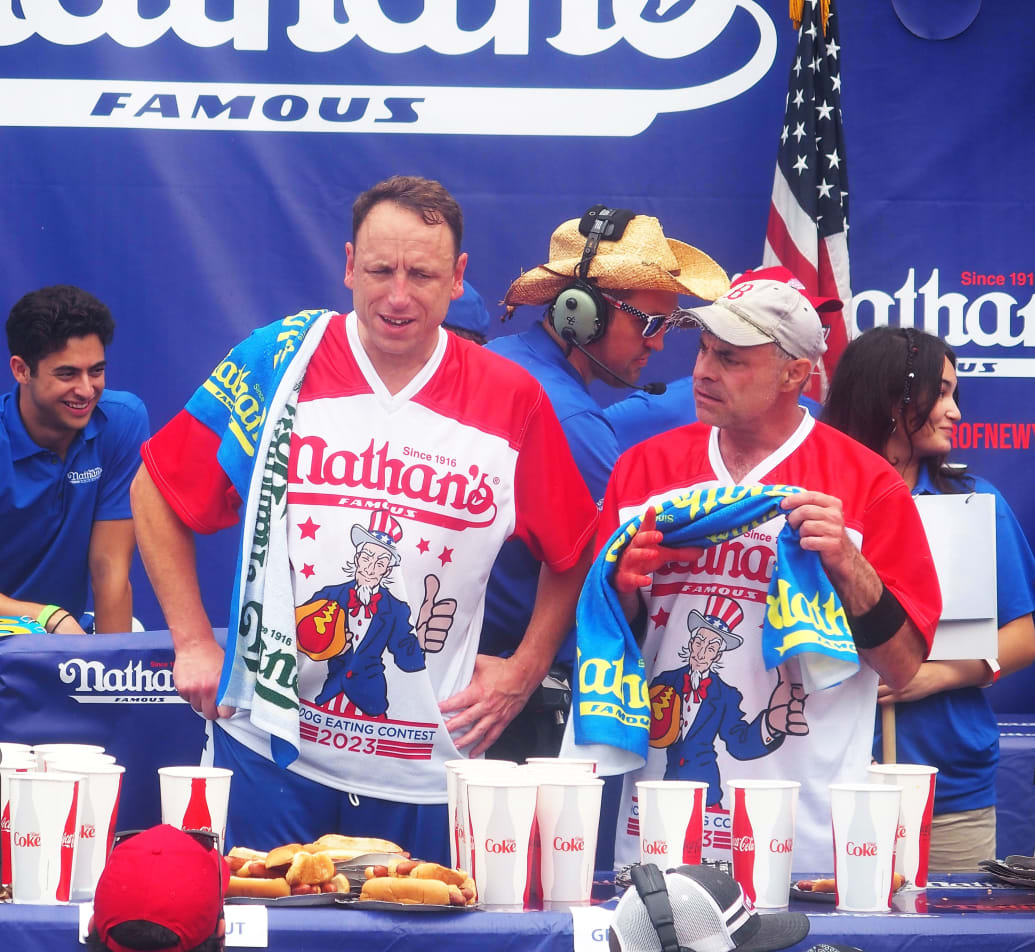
610, 289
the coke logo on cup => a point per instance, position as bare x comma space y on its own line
900, 833
5, 824
860, 849
500, 846
655, 848
574, 844
67, 840
87, 831
781, 846
744, 844
27, 839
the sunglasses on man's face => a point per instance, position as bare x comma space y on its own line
652, 323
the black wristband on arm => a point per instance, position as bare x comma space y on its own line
54, 623
879, 624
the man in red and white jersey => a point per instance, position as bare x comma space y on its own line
376, 465
759, 343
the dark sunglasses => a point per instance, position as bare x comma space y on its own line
652, 323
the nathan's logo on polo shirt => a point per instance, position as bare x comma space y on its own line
135, 683
86, 476
727, 46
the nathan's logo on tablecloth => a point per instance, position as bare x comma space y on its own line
737, 37
138, 682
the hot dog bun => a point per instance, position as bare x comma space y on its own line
344, 849
259, 888
451, 877
406, 890
309, 869
282, 855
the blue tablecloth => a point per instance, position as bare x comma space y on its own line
1015, 785
962, 915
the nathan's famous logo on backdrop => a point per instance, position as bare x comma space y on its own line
660, 30
137, 682
993, 311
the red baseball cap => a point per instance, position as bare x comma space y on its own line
162, 876
786, 276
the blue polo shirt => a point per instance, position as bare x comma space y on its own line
48, 505
594, 447
643, 415
956, 731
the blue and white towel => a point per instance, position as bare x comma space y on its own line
249, 400
804, 617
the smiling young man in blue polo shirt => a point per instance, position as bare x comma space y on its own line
68, 452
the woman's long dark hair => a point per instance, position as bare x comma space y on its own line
886, 373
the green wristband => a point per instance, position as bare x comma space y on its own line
49, 611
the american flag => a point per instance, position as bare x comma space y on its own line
807, 230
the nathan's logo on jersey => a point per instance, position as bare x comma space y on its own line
737, 559
729, 45
135, 683
317, 466
86, 476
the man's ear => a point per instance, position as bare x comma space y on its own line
20, 369
796, 372
350, 264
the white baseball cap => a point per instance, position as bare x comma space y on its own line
765, 312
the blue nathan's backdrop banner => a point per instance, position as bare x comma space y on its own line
193, 164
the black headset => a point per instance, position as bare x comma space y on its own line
579, 314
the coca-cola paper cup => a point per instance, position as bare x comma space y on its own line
574, 763
49, 757
671, 814
865, 821
99, 791
43, 750
913, 839
11, 749
567, 816
502, 811
763, 813
44, 823
12, 764
459, 822
195, 798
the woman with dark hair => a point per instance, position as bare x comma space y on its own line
895, 391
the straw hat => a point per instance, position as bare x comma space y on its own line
643, 259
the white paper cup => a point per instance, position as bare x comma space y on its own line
12, 764
99, 792
50, 757
574, 763
763, 813
913, 839
502, 810
671, 816
44, 821
567, 817
865, 821
11, 749
42, 750
196, 798
456, 806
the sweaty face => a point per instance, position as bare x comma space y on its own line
58, 400
403, 274
734, 387
623, 348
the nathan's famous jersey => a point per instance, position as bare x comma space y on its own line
397, 506
716, 711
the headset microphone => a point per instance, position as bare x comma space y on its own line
653, 388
